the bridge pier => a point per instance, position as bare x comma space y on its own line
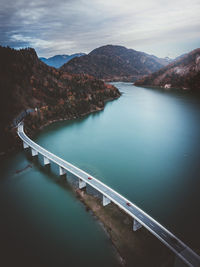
81, 184
62, 171
25, 145
136, 225
34, 152
106, 200
46, 161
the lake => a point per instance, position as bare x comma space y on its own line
145, 145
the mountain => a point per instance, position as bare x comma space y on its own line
58, 60
163, 61
182, 73
115, 63
28, 83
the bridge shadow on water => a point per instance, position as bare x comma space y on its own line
68, 181
49, 170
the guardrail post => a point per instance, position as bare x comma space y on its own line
106, 200
25, 145
62, 171
136, 225
34, 152
46, 161
81, 184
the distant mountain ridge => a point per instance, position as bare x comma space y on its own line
115, 63
182, 73
58, 60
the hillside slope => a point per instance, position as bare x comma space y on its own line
27, 83
183, 73
115, 63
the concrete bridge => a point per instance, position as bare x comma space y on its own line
184, 254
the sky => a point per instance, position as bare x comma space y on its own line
159, 27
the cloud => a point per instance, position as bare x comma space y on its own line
61, 26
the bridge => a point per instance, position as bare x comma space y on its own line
140, 218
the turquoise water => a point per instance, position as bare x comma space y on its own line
145, 145
43, 224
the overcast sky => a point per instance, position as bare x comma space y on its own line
159, 27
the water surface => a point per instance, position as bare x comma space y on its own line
145, 145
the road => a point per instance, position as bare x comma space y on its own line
177, 246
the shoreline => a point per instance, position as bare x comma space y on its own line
131, 247
139, 248
126, 252
11, 150
68, 119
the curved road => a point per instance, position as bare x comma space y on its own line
177, 246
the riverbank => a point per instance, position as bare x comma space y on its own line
32, 129
68, 119
138, 248
36, 121
163, 179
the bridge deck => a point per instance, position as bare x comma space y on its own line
177, 246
